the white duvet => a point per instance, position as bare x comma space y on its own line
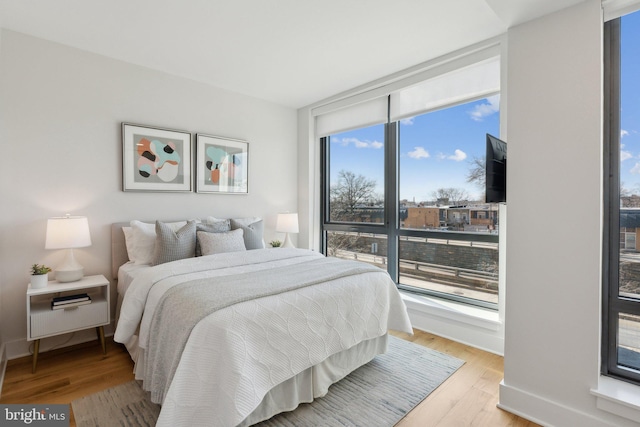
234, 356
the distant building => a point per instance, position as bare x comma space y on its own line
485, 214
423, 218
629, 228
473, 217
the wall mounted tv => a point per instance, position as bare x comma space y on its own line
496, 170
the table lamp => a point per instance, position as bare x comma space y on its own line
287, 223
68, 232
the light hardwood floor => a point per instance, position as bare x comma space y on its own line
467, 398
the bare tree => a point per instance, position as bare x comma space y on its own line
350, 192
477, 173
451, 195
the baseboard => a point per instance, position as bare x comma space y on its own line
3, 365
545, 412
22, 347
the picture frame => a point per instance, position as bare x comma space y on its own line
156, 159
222, 165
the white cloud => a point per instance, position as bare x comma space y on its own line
484, 110
636, 169
358, 143
458, 156
624, 155
419, 153
408, 121
623, 133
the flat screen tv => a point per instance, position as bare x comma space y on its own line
496, 170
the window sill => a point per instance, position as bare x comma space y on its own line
474, 326
618, 397
465, 313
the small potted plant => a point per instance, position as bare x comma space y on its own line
275, 243
39, 276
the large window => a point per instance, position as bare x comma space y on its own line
408, 197
451, 245
621, 281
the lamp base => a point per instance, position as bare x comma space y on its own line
69, 275
287, 242
70, 270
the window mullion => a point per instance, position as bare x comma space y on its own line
611, 250
392, 199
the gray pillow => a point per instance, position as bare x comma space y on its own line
216, 243
211, 227
252, 232
174, 245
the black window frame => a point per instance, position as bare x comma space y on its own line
391, 225
613, 305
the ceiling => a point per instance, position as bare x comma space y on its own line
290, 52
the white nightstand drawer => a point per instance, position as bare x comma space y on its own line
48, 322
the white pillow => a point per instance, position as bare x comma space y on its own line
216, 243
144, 240
128, 240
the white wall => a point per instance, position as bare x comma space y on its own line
553, 304
61, 111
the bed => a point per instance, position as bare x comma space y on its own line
233, 338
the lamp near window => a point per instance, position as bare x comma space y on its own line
68, 232
287, 223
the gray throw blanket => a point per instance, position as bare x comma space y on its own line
184, 305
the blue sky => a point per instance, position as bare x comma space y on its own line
436, 149
630, 103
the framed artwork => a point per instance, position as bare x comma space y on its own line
222, 165
155, 159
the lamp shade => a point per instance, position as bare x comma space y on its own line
67, 232
287, 223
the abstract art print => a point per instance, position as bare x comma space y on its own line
222, 165
155, 159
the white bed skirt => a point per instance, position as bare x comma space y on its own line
311, 383
315, 381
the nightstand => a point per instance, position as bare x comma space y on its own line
43, 321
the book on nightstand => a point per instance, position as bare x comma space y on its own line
70, 301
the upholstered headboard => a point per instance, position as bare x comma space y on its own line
118, 247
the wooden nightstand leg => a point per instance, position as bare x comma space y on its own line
100, 331
36, 349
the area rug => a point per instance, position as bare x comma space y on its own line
379, 393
